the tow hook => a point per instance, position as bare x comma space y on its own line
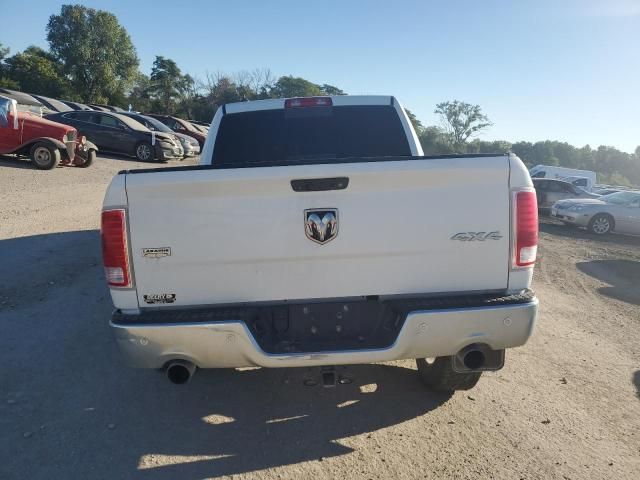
328, 376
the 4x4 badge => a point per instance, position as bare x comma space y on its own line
476, 236
321, 224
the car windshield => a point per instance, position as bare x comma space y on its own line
189, 126
154, 124
200, 128
620, 198
130, 122
31, 109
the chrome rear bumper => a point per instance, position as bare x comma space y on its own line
229, 344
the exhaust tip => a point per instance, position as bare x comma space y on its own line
478, 357
180, 372
474, 360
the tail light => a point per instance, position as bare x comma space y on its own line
115, 254
525, 228
308, 102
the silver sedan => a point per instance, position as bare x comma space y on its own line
619, 212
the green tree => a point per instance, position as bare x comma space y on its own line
417, 124
586, 158
138, 95
95, 50
434, 141
167, 83
37, 71
5, 81
482, 146
327, 89
287, 87
461, 121
4, 51
524, 151
202, 98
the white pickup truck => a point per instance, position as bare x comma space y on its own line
315, 233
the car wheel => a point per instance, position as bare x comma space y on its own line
44, 156
601, 224
91, 156
144, 152
437, 374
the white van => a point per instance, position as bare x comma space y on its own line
585, 179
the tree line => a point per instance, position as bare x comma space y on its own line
92, 59
611, 165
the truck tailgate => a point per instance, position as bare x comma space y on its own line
238, 235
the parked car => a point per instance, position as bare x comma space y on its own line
190, 145
606, 190
181, 126
47, 143
106, 108
200, 128
301, 250
201, 124
98, 108
617, 212
53, 104
550, 191
117, 133
25, 99
77, 106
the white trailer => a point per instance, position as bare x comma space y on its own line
580, 178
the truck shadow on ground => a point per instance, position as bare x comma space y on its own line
636, 382
229, 422
622, 276
553, 227
89, 414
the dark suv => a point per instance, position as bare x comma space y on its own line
117, 133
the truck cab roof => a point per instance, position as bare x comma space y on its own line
279, 103
287, 131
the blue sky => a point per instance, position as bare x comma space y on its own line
565, 70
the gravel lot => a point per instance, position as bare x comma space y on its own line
566, 406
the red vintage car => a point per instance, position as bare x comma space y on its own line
24, 133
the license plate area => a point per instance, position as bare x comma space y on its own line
324, 327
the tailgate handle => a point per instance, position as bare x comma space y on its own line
319, 184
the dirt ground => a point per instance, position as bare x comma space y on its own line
566, 405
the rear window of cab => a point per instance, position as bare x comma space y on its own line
291, 136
